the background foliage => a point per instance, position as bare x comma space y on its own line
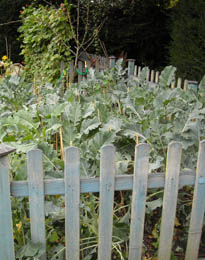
154, 32
139, 28
187, 50
8, 33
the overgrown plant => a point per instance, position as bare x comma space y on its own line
52, 36
106, 108
46, 36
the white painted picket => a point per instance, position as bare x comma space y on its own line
141, 169
170, 200
198, 207
6, 226
72, 203
107, 168
36, 197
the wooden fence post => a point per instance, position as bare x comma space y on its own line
179, 83
6, 226
148, 74
141, 168
198, 207
107, 175
139, 71
185, 84
173, 84
131, 67
152, 76
170, 200
135, 71
157, 77
72, 203
36, 197
112, 61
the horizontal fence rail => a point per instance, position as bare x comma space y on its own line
108, 182
122, 182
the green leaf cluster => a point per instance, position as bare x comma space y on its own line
45, 33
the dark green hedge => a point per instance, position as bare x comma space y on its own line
187, 50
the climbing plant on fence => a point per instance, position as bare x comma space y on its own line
45, 34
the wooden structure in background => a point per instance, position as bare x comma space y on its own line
101, 64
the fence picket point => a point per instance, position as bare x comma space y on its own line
198, 207
72, 203
170, 199
36, 197
141, 168
107, 181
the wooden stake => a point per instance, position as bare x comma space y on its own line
137, 139
79, 97
56, 141
119, 106
34, 86
61, 141
122, 203
99, 116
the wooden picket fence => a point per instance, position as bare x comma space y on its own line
101, 64
73, 185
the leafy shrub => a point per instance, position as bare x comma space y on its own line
46, 35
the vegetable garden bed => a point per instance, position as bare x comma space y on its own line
104, 109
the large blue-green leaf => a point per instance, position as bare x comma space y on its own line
167, 76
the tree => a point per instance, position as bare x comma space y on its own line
137, 27
187, 49
9, 22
